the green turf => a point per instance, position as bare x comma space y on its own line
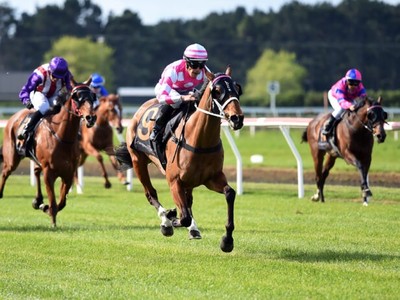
108, 246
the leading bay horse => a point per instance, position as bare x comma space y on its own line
100, 137
55, 147
194, 153
354, 140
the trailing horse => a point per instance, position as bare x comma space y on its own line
193, 151
353, 141
100, 137
55, 147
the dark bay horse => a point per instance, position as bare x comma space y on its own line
194, 154
354, 140
55, 146
100, 137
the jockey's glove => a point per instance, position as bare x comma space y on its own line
28, 104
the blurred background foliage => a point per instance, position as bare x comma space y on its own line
305, 47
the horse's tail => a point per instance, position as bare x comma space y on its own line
123, 157
304, 138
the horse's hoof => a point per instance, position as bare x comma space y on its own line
107, 185
44, 207
226, 244
125, 182
167, 231
365, 203
195, 235
315, 198
36, 204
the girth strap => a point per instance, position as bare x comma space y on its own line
182, 143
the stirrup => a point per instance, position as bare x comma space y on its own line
21, 148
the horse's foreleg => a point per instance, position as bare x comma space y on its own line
227, 240
64, 189
220, 185
181, 197
51, 209
90, 150
363, 171
38, 200
194, 232
121, 176
107, 183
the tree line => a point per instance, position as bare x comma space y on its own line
326, 40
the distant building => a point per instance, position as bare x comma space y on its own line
11, 84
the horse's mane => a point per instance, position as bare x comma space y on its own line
363, 100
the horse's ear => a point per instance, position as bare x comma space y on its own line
88, 81
380, 99
228, 70
73, 82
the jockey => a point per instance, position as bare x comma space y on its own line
97, 87
176, 84
341, 97
42, 90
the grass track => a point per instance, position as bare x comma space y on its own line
108, 246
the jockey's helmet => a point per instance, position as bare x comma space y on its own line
97, 80
353, 74
195, 52
58, 67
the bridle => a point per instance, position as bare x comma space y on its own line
218, 102
373, 117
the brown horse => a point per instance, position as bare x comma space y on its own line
55, 147
194, 153
353, 141
100, 137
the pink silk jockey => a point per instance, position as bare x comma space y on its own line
343, 94
175, 81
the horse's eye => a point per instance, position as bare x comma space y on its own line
216, 94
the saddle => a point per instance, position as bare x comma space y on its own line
145, 145
26, 147
329, 143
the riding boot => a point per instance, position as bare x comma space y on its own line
26, 131
160, 122
328, 126
157, 132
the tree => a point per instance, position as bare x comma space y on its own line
280, 66
84, 57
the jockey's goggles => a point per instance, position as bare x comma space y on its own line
196, 64
353, 82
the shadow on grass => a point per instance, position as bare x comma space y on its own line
76, 228
332, 256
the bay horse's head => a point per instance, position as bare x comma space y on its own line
111, 107
82, 100
375, 117
225, 98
